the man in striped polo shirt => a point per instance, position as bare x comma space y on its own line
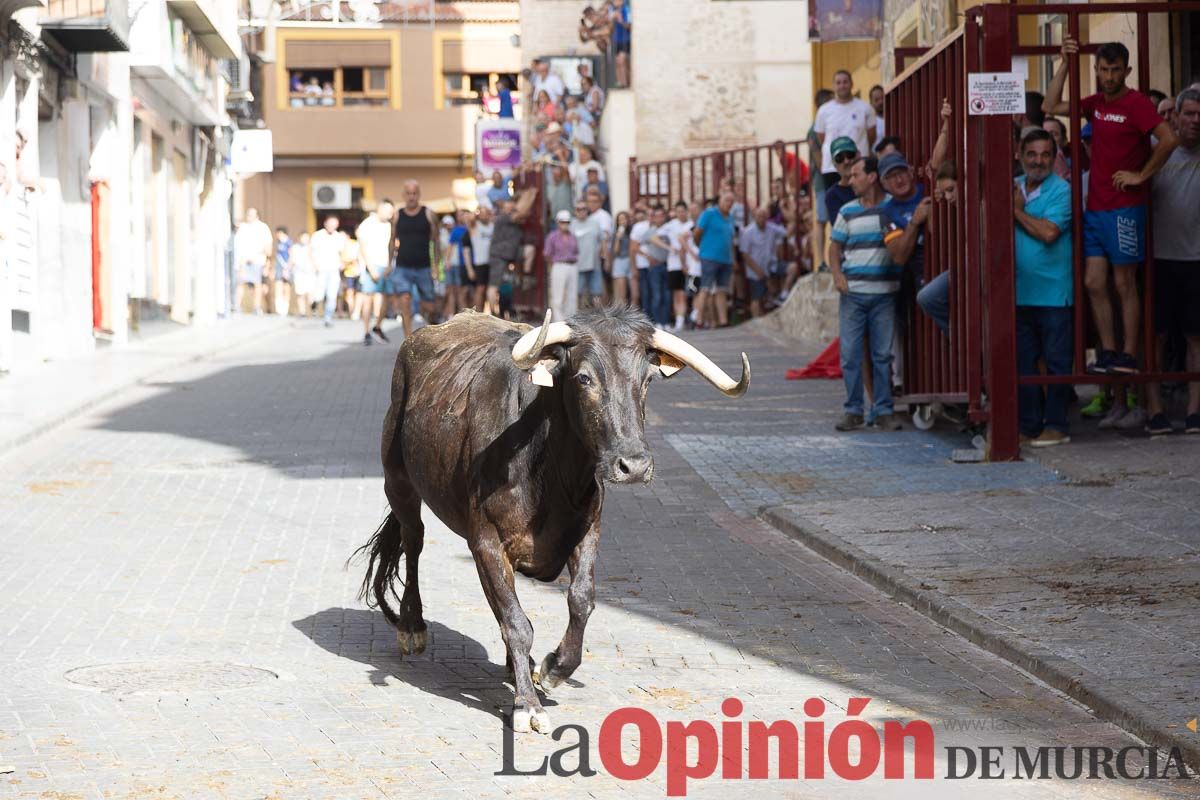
868, 279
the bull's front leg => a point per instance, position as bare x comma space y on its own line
558, 665
496, 576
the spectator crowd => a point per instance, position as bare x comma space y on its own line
1134, 147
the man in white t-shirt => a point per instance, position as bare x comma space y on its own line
595, 204
253, 248
482, 187
677, 232
641, 262
374, 236
325, 248
547, 81
481, 253
844, 115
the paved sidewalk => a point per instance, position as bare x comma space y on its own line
35, 400
177, 622
1082, 565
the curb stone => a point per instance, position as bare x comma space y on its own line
1107, 701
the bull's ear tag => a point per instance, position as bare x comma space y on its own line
668, 364
541, 376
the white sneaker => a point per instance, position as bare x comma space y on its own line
1134, 420
354, 316
418, 321
1114, 415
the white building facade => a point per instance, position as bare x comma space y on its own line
114, 191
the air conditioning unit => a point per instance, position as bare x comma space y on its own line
331, 195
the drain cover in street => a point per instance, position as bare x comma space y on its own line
167, 677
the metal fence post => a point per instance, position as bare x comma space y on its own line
999, 272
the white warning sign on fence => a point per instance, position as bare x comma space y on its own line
995, 93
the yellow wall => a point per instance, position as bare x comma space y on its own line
861, 58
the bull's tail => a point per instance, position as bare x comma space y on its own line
384, 551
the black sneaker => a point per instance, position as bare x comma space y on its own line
378, 331
1192, 424
1122, 364
1103, 363
1159, 425
367, 340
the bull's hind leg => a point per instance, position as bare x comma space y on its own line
496, 576
411, 633
581, 599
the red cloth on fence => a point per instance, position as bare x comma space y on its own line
826, 365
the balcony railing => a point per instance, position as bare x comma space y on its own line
87, 26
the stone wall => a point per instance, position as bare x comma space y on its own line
709, 76
810, 313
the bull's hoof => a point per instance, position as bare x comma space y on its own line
528, 718
412, 642
547, 675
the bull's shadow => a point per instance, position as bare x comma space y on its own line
455, 666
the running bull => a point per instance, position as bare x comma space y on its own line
509, 435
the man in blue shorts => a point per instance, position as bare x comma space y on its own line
417, 250
714, 234
1114, 222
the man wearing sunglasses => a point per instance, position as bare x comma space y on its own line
844, 152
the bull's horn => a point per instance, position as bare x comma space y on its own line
674, 346
527, 349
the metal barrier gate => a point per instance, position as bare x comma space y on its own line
974, 238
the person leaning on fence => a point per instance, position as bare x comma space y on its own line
507, 244
868, 279
1042, 254
934, 297
1176, 193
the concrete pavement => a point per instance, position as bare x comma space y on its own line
177, 621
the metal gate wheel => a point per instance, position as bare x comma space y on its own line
923, 417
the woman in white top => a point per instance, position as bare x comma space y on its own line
304, 274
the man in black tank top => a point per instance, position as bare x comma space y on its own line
416, 253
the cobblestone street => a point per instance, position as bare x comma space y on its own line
177, 621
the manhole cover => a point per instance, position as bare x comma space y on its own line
159, 677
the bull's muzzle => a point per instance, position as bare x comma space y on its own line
634, 468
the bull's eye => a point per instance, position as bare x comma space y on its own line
584, 380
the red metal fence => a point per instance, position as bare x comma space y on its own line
698, 178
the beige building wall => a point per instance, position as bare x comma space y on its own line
709, 76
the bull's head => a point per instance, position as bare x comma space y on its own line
603, 361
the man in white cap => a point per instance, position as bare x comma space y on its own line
562, 252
